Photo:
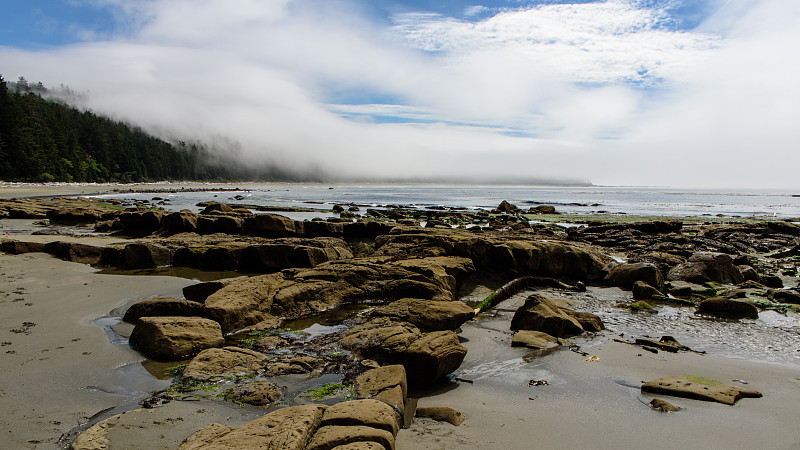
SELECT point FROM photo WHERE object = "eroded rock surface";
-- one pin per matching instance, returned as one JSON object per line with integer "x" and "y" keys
{"x": 699, "y": 388}
{"x": 172, "y": 338}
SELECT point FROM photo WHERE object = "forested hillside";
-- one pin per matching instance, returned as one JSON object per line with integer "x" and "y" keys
{"x": 43, "y": 140}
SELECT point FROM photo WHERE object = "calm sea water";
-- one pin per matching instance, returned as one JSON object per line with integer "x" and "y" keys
{"x": 571, "y": 200}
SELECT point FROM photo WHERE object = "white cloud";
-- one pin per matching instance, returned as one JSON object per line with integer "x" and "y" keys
{"x": 263, "y": 73}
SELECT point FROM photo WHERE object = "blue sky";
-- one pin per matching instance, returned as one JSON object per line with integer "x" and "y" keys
{"x": 601, "y": 90}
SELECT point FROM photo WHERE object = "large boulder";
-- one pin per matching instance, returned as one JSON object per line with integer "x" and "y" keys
{"x": 626, "y": 275}
{"x": 427, "y": 315}
{"x": 245, "y": 302}
{"x": 542, "y": 314}
{"x": 173, "y": 338}
{"x": 163, "y": 306}
{"x": 727, "y": 308}
{"x": 706, "y": 266}
{"x": 427, "y": 357}
{"x": 224, "y": 362}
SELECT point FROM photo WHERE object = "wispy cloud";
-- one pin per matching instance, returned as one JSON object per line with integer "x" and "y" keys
{"x": 610, "y": 91}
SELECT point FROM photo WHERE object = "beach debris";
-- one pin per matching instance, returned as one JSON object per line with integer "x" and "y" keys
{"x": 663, "y": 405}
{"x": 699, "y": 388}
{"x": 24, "y": 329}
{"x": 577, "y": 349}
{"x": 538, "y": 383}
{"x": 464, "y": 380}
{"x": 441, "y": 414}
{"x": 736, "y": 380}
{"x": 593, "y": 358}
{"x": 666, "y": 343}
{"x": 522, "y": 283}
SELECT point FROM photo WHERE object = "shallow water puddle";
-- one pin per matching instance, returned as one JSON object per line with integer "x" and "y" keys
{"x": 190, "y": 273}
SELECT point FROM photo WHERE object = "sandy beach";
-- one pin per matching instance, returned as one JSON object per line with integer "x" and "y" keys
{"x": 598, "y": 404}
{"x": 63, "y": 372}
{"x": 21, "y": 190}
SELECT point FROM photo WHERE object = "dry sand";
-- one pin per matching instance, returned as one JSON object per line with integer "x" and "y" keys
{"x": 19, "y": 190}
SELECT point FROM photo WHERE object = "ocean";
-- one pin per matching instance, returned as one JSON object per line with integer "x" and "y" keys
{"x": 645, "y": 201}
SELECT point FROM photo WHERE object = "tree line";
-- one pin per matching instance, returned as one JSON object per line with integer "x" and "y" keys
{"x": 47, "y": 140}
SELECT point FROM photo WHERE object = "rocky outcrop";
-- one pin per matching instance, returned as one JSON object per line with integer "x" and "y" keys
{"x": 727, "y": 308}
{"x": 224, "y": 362}
{"x": 163, "y": 306}
{"x": 704, "y": 266}
{"x": 427, "y": 315}
{"x": 296, "y": 292}
{"x": 343, "y": 425}
{"x": 626, "y": 275}
{"x": 699, "y": 388}
{"x": 427, "y": 357}
{"x": 542, "y": 314}
{"x": 174, "y": 338}
{"x": 286, "y": 428}
{"x": 515, "y": 255}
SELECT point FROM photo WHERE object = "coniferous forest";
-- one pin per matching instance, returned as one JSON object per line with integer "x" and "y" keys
{"x": 46, "y": 140}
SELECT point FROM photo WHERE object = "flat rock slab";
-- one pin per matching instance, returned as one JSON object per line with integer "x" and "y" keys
{"x": 368, "y": 412}
{"x": 534, "y": 339}
{"x": 172, "y": 338}
{"x": 441, "y": 413}
{"x": 698, "y": 388}
{"x": 286, "y": 428}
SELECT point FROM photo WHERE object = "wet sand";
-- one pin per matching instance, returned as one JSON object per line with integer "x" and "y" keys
{"x": 598, "y": 404}
{"x": 59, "y": 369}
